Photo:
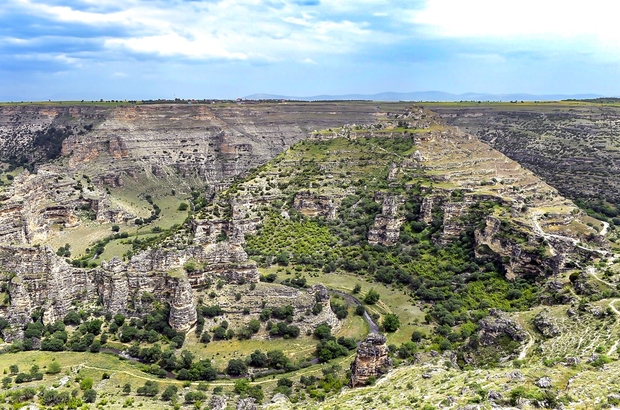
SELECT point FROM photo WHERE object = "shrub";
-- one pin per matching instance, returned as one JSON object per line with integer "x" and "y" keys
{"x": 90, "y": 396}
{"x": 86, "y": 383}
{"x": 54, "y": 368}
{"x": 371, "y": 297}
{"x": 236, "y": 367}
{"x": 194, "y": 396}
{"x": 169, "y": 393}
{"x": 150, "y": 389}
{"x": 391, "y": 323}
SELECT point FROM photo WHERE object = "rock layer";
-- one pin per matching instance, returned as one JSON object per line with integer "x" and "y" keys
{"x": 372, "y": 360}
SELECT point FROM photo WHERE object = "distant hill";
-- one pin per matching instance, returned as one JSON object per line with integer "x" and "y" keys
{"x": 428, "y": 96}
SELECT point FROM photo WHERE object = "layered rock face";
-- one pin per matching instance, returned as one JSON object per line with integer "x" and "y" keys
{"x": 34, "y": 203}
{"x": 572, "y": 147}
{"x": 37, "y": 278}
{"x": 498, "y": 324}
{"x": 211, "y": 142}
{"x": 386, "y": 228}
{"x": 372, "y": 360}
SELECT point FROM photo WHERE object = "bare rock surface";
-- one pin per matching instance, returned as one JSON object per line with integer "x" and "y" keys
{"x": 498, "y": 324}
{"x": 372, "y": 360}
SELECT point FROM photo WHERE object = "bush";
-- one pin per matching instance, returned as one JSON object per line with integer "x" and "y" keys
{"x": 371, "y": 297}
{"x": 169, "y": 393}
{"x": 257, "y": 359}
{"x": 194, "y": 396}
{"x": 391, "y": 323}
{"x": 54, "y": 368}
{"x": 323, "y": 331}
{"x": 236, "y": 367}
{"x": 150, "y": 389}
{"x": 86, "y": 383}
{"x": 417, "y": 336}
{"x": 53, "y": 398}
{"x": 90, "y": 396}
{"x": 341, "y": 311}
{"x": 359, "y": 310}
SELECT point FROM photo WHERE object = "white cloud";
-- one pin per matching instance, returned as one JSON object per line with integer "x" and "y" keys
{"x": 509, "y": 18}
{"x": 174, "y": 44}
{"x": 551, "y": 26}
{"x": 228, "y": 29}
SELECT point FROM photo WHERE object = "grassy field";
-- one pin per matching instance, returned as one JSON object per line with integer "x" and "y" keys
{"x": 130, "y": 198}
{"x": 393, "y": 300}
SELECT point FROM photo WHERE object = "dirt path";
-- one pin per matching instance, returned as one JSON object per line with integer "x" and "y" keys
{"x": 605, "y": 228}
{"x": 613, "y": 348}
{"x": 216, "y": 382}
{"x": 374, "y": 328}
{"x": 575, "y": 242}
{"x": 591, "y": 270}
{"x": 530, "y": 343}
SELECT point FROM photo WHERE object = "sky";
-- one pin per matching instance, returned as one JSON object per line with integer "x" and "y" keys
{"x": 149, "y": 49}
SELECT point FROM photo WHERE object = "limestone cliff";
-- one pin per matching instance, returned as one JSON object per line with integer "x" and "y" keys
{"x": 372, "y": 360}
{"x": 37, "y": 203}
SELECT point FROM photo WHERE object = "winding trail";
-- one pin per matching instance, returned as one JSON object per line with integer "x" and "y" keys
{"x": 573, "y": 241}
{"x": 613, "y": 348}
{"x": 530, "y": 343}
{"x": 605, "y": 228}
{"x": 374, "y": 328}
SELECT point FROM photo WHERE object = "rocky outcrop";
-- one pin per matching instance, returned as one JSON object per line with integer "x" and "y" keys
{"x": 36, "y": 202}
{"x": 182, "y": 307}
{"x": 386, "y": 227}
{"x": 372, "y": 360}
{"x": 545, "y": 324}
{"x": 498, "y": 324}
{"x": 217, "y": 402}
{"x": 310, "y": 204}
{"x": 246, "y": 404}
{"x": 37, "y": 278}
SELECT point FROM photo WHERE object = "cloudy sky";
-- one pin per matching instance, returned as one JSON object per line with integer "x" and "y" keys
{"x": 138, "y": 49}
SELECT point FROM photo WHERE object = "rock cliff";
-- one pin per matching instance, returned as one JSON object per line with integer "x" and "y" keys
{"x": 372, "y": 360}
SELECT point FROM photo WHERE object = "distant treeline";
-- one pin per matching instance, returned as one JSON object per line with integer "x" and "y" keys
{"x": 601, "y": 100}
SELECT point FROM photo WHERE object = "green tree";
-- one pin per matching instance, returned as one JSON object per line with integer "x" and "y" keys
{"x": 371, "y": 297}
{"x": 86, "y": 383}
{"x": 236, "y": 367}
{"x": 54, "y": 368}
{"x": 90, "y": 396}
{"x": 169, "y": 393}
{"x": 391, "y": 323}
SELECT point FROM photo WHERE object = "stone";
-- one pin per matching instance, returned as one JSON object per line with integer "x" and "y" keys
{"x": 498, "y": 324}
{"x": 572, "y": 361}
{"x": 543, "y": 382}
{"x": 279, "y": 398}
{"x": 515, "y": 376}
{"x": 372, "y": 360}
{"x": 545, "y": 324}
{"x": 246, "y": 404}
{"x": 494, "y": 395}
{"x": 217, "y": 402}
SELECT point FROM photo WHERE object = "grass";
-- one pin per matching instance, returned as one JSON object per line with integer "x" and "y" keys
{"x": 131, "y": 199}
{"x": 392, "y": 300}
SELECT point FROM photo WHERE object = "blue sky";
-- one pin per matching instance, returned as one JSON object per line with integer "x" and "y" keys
{"x": 138, "y": 49}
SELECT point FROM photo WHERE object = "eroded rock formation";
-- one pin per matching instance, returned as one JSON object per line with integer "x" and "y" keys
{"x": 372, "y": 360}
{"x": 498, "y": 324}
